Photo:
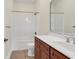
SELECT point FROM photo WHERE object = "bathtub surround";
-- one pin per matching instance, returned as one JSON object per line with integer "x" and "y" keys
{"x": 23, "y": 30}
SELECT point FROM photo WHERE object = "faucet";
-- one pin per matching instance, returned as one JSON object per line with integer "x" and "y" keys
{"x": 69, "y": 39}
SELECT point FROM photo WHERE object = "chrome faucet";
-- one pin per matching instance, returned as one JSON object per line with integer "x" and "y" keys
{"x": 69, "y": 39}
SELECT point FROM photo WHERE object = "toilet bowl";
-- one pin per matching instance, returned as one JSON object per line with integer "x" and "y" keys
{"x": 31, "y": 49}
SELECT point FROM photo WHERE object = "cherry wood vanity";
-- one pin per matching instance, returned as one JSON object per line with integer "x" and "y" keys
{"x": 44, "y": 51}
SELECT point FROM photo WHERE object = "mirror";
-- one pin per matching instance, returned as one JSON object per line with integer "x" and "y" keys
{"x": 62, "y": 16}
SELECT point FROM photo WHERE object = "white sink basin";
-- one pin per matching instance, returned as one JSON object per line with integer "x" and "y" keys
{"x": 67, "y": 46}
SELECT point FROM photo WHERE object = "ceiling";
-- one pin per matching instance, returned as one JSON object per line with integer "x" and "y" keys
{"x": 25, "y": 1}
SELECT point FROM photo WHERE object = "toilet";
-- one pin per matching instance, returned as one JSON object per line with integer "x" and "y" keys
{"x": 31, "y": 49}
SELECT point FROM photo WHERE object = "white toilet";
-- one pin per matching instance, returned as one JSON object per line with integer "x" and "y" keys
{"x": 31, "y": 49}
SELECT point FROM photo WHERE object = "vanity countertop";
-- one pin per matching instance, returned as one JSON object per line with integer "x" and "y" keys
{"x": 57, "y": 43}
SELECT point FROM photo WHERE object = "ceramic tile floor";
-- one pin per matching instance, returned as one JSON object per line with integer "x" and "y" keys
{"x": 20, "y": 55}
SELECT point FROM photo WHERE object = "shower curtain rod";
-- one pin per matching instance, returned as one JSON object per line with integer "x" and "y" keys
{"x": 24, "y": 12}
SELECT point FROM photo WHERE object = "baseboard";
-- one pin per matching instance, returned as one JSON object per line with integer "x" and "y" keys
{"x": 9, "y": 55}
{"x": 20, "y": 48}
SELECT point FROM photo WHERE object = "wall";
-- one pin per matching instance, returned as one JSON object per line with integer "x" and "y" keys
{"x": 43, "y": 7}
{"x": 68, "y": 7}
{"x": 23, "y": 7}
{"x": 7, "y": 31}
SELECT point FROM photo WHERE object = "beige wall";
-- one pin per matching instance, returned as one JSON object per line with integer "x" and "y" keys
{"x": 23, "y": 7}
{"x": 43, "y": 7}
{"x": 68, "y": 7}
{"x": 7, "y": 31}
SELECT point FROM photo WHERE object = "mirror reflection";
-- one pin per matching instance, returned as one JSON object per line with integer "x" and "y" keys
{"x": 62, "y": 16}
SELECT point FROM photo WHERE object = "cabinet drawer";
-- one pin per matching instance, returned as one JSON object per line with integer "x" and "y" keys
{"x": 44, "y": 47}
{"x": 57, "y": 55}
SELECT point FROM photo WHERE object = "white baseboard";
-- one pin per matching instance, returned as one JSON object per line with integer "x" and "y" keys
{"x": 9, "y": 55}
{"x": 15, "y": 49}
{"x": 20, "y": 47}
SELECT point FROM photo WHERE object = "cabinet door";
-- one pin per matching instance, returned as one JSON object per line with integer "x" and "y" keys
{"x": 57, "y": 55}
{"x": 44, "y": 47}
{"x": 44, "y": 51}
{"x": 44, "y": 55}
{"x": 37, "y": 49}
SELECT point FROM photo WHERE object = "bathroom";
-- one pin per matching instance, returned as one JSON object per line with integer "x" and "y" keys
{"x": 51, "y": 22}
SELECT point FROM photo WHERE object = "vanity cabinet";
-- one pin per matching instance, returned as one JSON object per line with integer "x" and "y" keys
{"x": 43, "y": 55}
{"x": 44, "y": 51}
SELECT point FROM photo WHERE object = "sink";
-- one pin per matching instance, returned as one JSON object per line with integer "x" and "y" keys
{"x": 67, "y": 46}
{"x": 58, "y": 42}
